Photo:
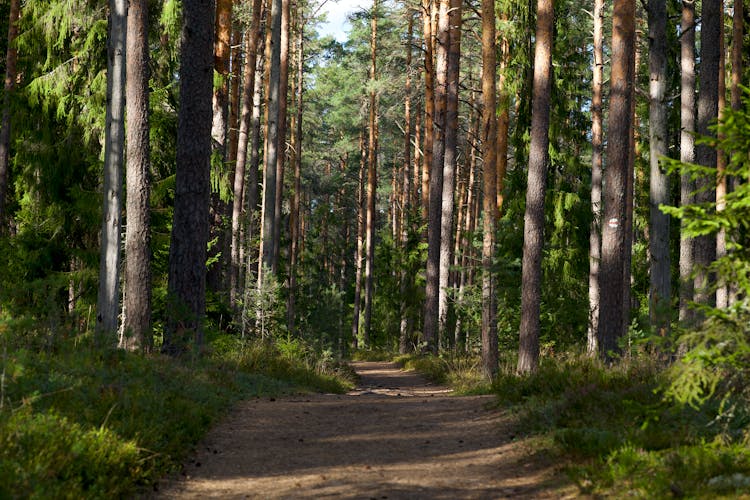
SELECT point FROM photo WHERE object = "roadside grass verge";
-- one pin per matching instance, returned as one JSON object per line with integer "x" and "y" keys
{"x": 77, "y": 422}
{"x": 621, "y": 437}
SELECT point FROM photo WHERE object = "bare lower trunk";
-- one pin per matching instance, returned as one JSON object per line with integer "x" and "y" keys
{"x": 360, "y": 243}
{"x": 611, "y": 314}
{"x": 429, "y": 103}
{"x": 281, "y": 157}
{"x": 687, "y": 152}
{"x": 137, "y": 295}
{"x": 405, "y": 277}
{"x": 708, "y": 108}
{"x": 489, "y": 154}
{"x": 108, "y": 301}
{"x": 187, "y": 251}
{"x": 595, "y": 240}
{"x": 533, "y": 241}
{"x": 722, "y": 290}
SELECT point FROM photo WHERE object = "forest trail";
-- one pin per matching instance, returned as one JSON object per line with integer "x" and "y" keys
{"x": 395, "y": 436}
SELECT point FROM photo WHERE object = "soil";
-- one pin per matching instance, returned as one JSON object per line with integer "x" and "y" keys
{"x": 395, "y": 436}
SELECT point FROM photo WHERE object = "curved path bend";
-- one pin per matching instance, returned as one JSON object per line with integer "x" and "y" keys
{"x": 396, "y": 436}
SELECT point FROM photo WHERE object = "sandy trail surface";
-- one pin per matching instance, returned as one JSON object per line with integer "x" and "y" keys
{"x": 395, "y": 436}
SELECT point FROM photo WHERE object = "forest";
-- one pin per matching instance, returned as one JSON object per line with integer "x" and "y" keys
{"x": 207, "y": 201}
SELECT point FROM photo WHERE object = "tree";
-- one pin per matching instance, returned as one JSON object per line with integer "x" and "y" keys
{"x": 137, "y": 300}
{"x": 450, "y": 157}
{"x": 533, "y": 241}
{"x": 241, "y": 192}
{"x": 372, "y": 172}
{"x": 489, "y": 155}
{"x": 660, "y": 292}
{"x": 687, "y": 151}
{"x": 708, "y": 109}
{"x": 108, "y": 301}
{"x": 11, "y": 58}
{"x": 611, "y": 326}
{"x": 187, "y": 251}
{"x": 595, "y": 239}
{"x": 434, "y": 222}
{"x": 281, "y": 136}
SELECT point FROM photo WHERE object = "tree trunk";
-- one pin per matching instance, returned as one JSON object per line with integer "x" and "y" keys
{"x": 489, "y": 154}
{"x": 10, "y": 81}
{"x": 240, "y": 183}
{"x": 708, "y": 108}
{"x": 108, "y": 301}
{"x": 187, "y": 251}
{"x": 449, "y": 162}
{"x": 687, "y": 153}
{"x": 137, "y": 301}
{"x": 735, "y": 91}
{"x": 265, "y": 260}
{"x": 660, "y": 292}
{"x": 297, "y": 151}
{"x": 372, "y": 180}
{"x": 614, "y": 246}
{"x": 533, "y": 241}
{"x": 281, "y": 157}
{"x": 595, "y": 240}
{"x": 429, "y": 103}
{"x": 360, "y": 242}
{"x": 722, "y": 290}
{"x": 431, "y": 333}
{"x": 405, "y": 278}
{"x": 503, "y": 121}
{"x": 234, "y": 99}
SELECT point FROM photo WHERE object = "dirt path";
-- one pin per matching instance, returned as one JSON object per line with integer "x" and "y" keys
{"x": 395, "y": 436}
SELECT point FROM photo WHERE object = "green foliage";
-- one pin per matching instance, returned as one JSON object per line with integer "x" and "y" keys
{"x": 77, "y": 422}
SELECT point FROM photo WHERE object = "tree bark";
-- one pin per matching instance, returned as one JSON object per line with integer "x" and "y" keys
{"x": 281, "y": 157}
{"x": 708, "y": 109}
{"x": 405, "y": 277}
{"x": 240, "y": 183}
{"x": 614, "y": 246}
{"x": 503, "y": 121}
{"x": 108, "y": 300}
{"x": 722, "y": 289}
{"x": 429, "y": 103}
{"x": 187, "y": 252}
{"x": 265, "y": 260}
{"x": 489, "y": 155}
{"x": 595, "y": 240}
{"x": 533, "y": 241}
{"x": 431, "y": 333}
{"x": 449, "y": 162}
{"x": 359, "y": 251}
{"x": 687, "y": 153}
{"x": 297, "y": 152}
{"x": 660, "y": 292}
{"x": 137, "y": 301}
{"x": 11, "y": 59}
{"x": 372, "y": 179}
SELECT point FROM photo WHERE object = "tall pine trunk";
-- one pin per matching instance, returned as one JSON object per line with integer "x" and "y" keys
{"x": 281, "y": 157}
{"x": 660, "y": 292}
{"x": 187, "y": 251}
{"x": 241, "y": 184}
{"x": 708, "y": 108}
{"x": 11, "y": 58}
{"x": 372, "y": 179}
{"x": 137, "y": 300}
{"x": 533, "y": 241}
{"x": 405, "y": 277}
{"x": 595, "y": 240}
{"x": 431, "y": 328}
{"x": 359, "y": 250}
{"x": 429, "y": 102}
{"x": 489, "y": 155}
{"x": 108, "y": 300}
{"x": 614, "y": 246}
{"x": 271, "y": 152}
{"x": 687, "y": 152}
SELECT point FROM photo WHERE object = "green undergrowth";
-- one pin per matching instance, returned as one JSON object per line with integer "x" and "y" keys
{"x": 77, "y": 422}
{"x": 621, "y": 436}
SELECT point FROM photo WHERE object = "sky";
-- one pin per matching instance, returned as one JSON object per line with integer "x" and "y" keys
{"x": 337, "y": 11}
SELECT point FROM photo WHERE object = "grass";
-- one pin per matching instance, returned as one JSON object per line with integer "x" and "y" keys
{"x": 620, "y": 436}
{"x": 77, "y": 422}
